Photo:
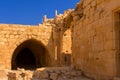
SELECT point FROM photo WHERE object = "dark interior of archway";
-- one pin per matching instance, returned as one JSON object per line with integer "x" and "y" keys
{"x": 30, "y": 55}
{"x": 26, "y": 59}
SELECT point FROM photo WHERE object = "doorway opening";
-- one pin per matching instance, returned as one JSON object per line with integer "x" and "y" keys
{"x": 26, "y": 59}
{"x": 30, "y": 55}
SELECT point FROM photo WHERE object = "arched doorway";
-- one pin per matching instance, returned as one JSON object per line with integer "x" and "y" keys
{"x": 30, "y": 55}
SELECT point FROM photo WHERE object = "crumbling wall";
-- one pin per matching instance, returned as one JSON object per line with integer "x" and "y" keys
{"x": 87, "y": 38}
{"x": 94, "y": 38}
{"x": 12, "y": 36}
{"x": 62, "y": 38}
{"x": 52, "y": 34}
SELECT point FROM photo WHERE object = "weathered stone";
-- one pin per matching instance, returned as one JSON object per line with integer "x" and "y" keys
{"x": 11, "y": 76}
{"x": 116, "y": 78}
{"x": 73, "y": 73}
{"x": 53, "y": 76}
{"x": 3, "y": 75}
{"x": 87, "y": 37}
{"x": 43, "y": 75}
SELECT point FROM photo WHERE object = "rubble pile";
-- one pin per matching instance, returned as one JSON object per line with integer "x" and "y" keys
{"x": 53, "y": 73}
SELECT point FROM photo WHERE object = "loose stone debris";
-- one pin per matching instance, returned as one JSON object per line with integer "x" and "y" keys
{"x": 51, "y": 73}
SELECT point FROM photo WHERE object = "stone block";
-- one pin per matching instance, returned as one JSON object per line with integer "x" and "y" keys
{"x": 41, "y": 74}
{"x": 116, "y": 78}
{"x": 53, "y": 76}
{"x": 11, "y": 76}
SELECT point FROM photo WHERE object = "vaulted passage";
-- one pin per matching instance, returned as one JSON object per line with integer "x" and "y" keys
{"x": 26, "y": 59}
{"x": 30, "y": 55}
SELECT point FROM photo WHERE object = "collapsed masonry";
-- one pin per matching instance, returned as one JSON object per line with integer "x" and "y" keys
{"x": 86, "y": 38}
{"x": 53, "y": 73}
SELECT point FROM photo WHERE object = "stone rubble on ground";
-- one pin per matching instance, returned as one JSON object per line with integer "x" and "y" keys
{"x": 53, "y": 73}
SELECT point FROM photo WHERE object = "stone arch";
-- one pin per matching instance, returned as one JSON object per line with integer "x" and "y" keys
{"x": 30, "y": 54}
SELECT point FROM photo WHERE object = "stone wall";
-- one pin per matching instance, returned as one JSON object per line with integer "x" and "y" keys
{"x": 11, "y": 36}
{"x": 62, "y": 37}
{"x": 94, "y": 38}
{"x": 87, "y": 38}
{"x": 50, "y": 44}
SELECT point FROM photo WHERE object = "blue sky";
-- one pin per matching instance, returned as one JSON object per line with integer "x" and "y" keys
{"x": 31, "y": 11}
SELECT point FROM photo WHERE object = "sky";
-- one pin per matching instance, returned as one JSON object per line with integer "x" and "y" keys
{"x": 30, "y": 12}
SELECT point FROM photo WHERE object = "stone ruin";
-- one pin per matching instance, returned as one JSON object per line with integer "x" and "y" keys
{"x": 53, "y": 73}
{"x": 81, "y": 44}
